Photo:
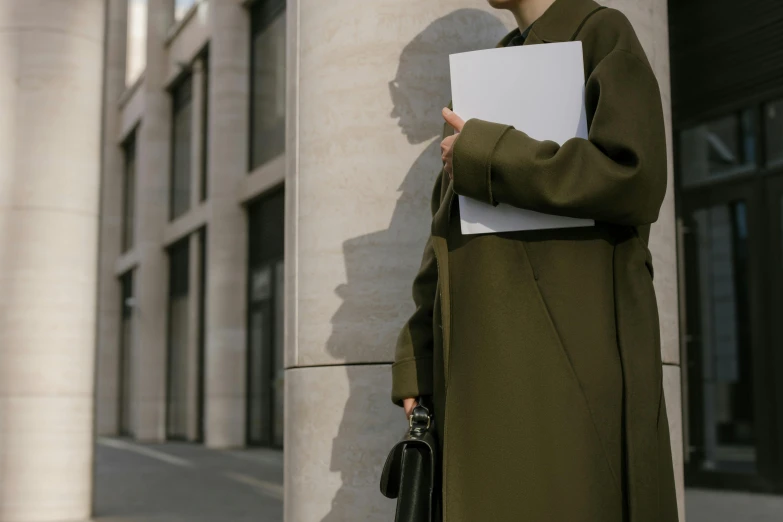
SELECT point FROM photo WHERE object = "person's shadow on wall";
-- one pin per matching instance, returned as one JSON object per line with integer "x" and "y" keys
{"x": 419, "y": 91}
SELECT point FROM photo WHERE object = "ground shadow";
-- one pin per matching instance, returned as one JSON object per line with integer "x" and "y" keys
{"x": 418, "y": 93}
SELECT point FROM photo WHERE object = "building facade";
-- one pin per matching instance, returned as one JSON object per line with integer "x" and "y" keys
{"x": 191, "y": 280}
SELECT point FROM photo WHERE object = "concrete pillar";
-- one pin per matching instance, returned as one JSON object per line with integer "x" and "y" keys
{"x": 360, "y": 170}
{"x": 51, "y": 56}
{"x": 227, "y": 227}
{"x": 112, "y": 182}
{"x": 152, "y": 199}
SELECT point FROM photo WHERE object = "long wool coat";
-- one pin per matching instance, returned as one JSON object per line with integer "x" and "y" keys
{"x": 541, "y": 349}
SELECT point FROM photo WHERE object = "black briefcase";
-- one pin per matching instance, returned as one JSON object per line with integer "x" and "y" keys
{"x": 410, "y": 472}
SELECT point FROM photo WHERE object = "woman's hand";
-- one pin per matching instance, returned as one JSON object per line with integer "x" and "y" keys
{"x": 447, "y": 145}
{"x": 409, "y": 404}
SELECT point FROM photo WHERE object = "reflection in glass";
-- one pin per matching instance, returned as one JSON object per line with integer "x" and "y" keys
{"x": 268, "y": 55}
{"x": 265, "y": 321}
{"x": 179, "y": 362}
{"x": 723, "y": 345}
{"x": 136, "y": 43}
{"x": 773, "y": 114}
{"x": 718, "y": 149}
{"x": 259, "y": 392}
{"x": 258, "y": 396}
{"x": 126, "y": 355}
{"x": 182, "y": 99}
{"x": 129, "y": 193}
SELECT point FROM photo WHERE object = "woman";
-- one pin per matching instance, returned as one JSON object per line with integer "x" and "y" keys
{"x": 541, "y": 349}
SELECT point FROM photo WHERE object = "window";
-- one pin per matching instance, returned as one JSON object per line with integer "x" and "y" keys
{"x": 205, "y": 127}
{"x": 266, "y": 370}
{"x": 136, "y": 43}
{"x": 182, "y": 123}
{"x": 268, "y": 82}
{"x": 129, "y": 193}
{"x": 177, "y": 419}
{"x": 182, "y": 7}
{"x": 126, "y": 355}
{"x": 773, "y": 114}
{"x": 719, "y": 148}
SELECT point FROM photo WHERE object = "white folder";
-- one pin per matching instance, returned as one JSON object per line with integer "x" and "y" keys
{"x": 540, "y": 90}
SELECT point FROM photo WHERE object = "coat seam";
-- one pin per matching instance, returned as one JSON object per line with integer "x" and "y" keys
{"x": 563, "y": 350}
{"x": 489, "y": 165}
{"x": 445, "y": 341}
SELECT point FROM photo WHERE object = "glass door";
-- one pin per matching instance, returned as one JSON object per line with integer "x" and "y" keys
{"x": 774, "y": 316}
{"x": 726, "y": 354}
{"x": 265, "y": 363}
{"x": 179, "y": 361}
{"x": 126, "y": 356}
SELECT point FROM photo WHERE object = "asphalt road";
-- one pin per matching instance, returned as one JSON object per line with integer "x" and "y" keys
{"x": 186, "y": 483}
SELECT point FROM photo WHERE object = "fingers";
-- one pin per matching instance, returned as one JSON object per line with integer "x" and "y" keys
{"x": 452, "y": 119}
{"x": 409, "y": 404}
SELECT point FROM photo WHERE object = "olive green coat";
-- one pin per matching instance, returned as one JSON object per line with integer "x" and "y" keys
{"x": 541, "y": 348}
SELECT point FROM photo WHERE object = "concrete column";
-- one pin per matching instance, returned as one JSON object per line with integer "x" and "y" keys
{"x": 152, "y": 199}
{"x": 112, "y": 187}
{"x": 360, "y": 170}
{"x": 51, "y": 56}
{"x": 227, "y": 227}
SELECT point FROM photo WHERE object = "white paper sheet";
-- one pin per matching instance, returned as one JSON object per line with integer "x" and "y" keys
{"x": 540, "y": 90}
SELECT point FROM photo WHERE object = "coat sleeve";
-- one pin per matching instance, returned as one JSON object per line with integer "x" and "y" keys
{"x": 412, "y": 367}
{"x": 617, "y": 175}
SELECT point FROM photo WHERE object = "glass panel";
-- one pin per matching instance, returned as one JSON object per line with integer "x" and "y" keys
{"x": 718, "y": 149}
{"x": 181, "y": 143}
{"x": 268, "y": 55}
{"x": 179, "y": 360}
{"x": 774, "y": 133}
{"x": 126, "y": 397}
{"x": 279, "y": 381}
{"x": 182, "y": 7}
{"x": 126, "y": 356}
{"x": 179, "y": 368}
{"x": 259, "y": 362}
{"x": 205, "y": 129}
{"x": 129, "y": 194}
{"x": 136, "y": 50}
{"x": 723, "y": 350}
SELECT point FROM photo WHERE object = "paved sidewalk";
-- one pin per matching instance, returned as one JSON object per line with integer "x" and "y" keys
{"x": 186, "y": 483}
{"x": 725, "y": 506}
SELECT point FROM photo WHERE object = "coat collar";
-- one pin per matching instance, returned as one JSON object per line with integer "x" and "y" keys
{"x": 559, "y": 23}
